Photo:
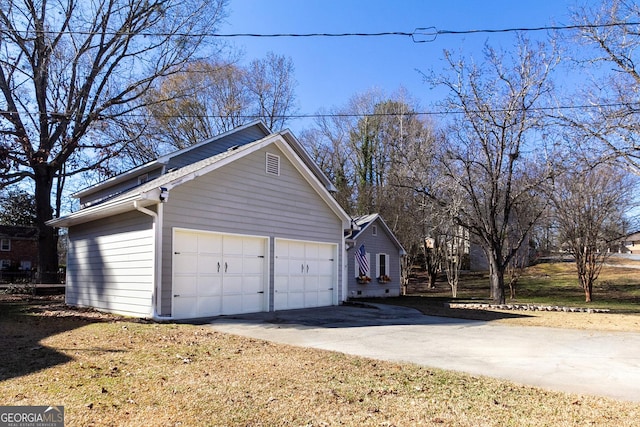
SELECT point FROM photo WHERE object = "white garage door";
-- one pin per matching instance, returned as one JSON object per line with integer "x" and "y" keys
{"x": 305, "y": 274}
{"x": 216, "y": 274}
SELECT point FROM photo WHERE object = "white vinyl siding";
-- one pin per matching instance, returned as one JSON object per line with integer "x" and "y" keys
{"x": 112, "y": 270}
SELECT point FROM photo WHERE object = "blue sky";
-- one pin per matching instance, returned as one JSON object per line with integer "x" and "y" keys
{"x": 330, "y": 70}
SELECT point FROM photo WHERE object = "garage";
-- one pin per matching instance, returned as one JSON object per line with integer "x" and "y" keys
{"x": 216, "y": 274}
{"x": 305, "y": 274}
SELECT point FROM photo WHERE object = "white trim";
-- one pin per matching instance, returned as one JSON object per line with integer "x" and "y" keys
{"x": 387, "y": 263}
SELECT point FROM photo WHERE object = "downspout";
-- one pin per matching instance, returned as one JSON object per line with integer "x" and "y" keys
{"x": 157, "y": 245}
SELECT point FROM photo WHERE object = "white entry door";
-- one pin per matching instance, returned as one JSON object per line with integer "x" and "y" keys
{"x": 305, "y": 274}
{"x": 216, "y": 274}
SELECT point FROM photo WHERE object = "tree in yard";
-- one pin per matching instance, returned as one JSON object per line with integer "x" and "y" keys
{"x": 589, "y": 207}
{"x": 488, "y": 162}
{"x": 363, "y": 147}
{"x": 17, "y": 207}
{"x": 212, "y": 97}
{"x": 71, "y": 70}
{"x": 609, "y": 36}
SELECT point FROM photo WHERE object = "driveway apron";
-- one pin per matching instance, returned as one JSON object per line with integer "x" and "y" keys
{"x": 585, "y": 362}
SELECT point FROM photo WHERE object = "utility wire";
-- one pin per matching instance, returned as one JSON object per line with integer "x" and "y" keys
{"x": 418, "y": 35}
{"x": 431, "y": 33}
{"x": 409, "y": 113}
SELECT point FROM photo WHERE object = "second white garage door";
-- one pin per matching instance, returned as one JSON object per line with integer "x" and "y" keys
{"x": 216, "y": 274}
{"x": 305, "y": 274}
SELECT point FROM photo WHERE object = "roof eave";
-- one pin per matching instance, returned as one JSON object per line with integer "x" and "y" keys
{"x": 105, "y": 209}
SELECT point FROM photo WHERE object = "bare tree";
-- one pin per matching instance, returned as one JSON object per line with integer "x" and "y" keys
{"x": 71, "y": 69}
{"x": 611, "y": 36}
{"x": 590, "y": 203}
{"x": 364, "y": 147}
{"x": 487, "y": 159}
{"x": 272, "y": 85}
{"x": 212, "y": 97}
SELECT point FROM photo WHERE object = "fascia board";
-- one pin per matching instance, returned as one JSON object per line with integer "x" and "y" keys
{"x": 107, "y": 209}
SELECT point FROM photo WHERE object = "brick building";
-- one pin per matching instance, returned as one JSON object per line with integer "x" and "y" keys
{"x": 18, "y": 248}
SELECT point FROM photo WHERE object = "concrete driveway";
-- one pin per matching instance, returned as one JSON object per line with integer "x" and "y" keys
{"x": 584, "y": 362}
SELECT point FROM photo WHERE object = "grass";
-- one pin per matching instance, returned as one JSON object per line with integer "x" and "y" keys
{"x": 617, "y": 289}
{"x": 108, "y": 370}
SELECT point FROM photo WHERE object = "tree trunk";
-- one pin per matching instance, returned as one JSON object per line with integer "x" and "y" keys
{"x": 432, "y": 279}
{"x": 497, "y": 281}
{"x": 588, "y": 291}
{"x": 47, "y": 236}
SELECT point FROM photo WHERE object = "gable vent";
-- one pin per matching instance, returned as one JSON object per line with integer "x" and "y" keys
{"x": 273, "y": 164}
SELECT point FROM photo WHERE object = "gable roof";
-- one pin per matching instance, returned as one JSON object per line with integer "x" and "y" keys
{"x": 152, "y": 192}
{"x": 219, "y": 143}
{"x": 363, "y": 222}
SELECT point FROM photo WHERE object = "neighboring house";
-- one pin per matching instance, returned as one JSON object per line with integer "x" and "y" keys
{"x": 18, "y": 251}
{"x": 373, "y": 257}
{"x": 630, "y": 244}
{"x": 244, "y": 222}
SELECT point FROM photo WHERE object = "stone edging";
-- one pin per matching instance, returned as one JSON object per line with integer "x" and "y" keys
{"x": 526, "y": 307}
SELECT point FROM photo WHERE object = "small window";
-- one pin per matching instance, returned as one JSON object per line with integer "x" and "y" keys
{"x": 374, "y": 230}
{"x": 25, "y": 265}
{"x": 5, "y": 264}
{"x": 5, "y": 244}
{"x": 273, "y": 164}
{"x": 382, "y": 266}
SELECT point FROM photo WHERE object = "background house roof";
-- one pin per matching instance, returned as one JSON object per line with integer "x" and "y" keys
{"x": 364, "y": 221}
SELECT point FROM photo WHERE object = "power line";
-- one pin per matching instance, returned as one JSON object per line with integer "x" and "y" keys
{"x": 418, "y": 35}
{"x": 354, "y": 115}
{"x": 431, "y": 33}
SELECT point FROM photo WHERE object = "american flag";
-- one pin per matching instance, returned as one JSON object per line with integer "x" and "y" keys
{"x": 363, "y": 262}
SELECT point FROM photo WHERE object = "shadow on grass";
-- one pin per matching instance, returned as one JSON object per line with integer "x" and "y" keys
{"x": 24, "y": 322}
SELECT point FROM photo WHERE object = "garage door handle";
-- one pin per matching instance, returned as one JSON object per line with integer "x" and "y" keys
{"x": 218, "y": 267}
{"x": 225, "y": 267}
{"x": 261, "y": 292}
{"x": 330, "y": 289}
{"x": 176, "y": 295}
{"x": 301, "y": 268}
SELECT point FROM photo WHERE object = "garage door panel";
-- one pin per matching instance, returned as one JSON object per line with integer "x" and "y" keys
{"x": 307, "y": 277}
{"x": 210, "y": 243}
{"x": 232, "y": 304}
{"x": 212, "y": 274}
{"x": 185, "y": 242}
{"x": 209, "y": 286}
{"x": 253, "y": 265}
{"x": 186, "y": 263}
{"x": 208, "y": 264}
{"x": 209, "y": 306}
{"x": 233, "y": 245}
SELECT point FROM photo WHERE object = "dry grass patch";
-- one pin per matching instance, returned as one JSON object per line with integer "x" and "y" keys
{"x": 555, "y": 284}
{"x": 112, "y": 371}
